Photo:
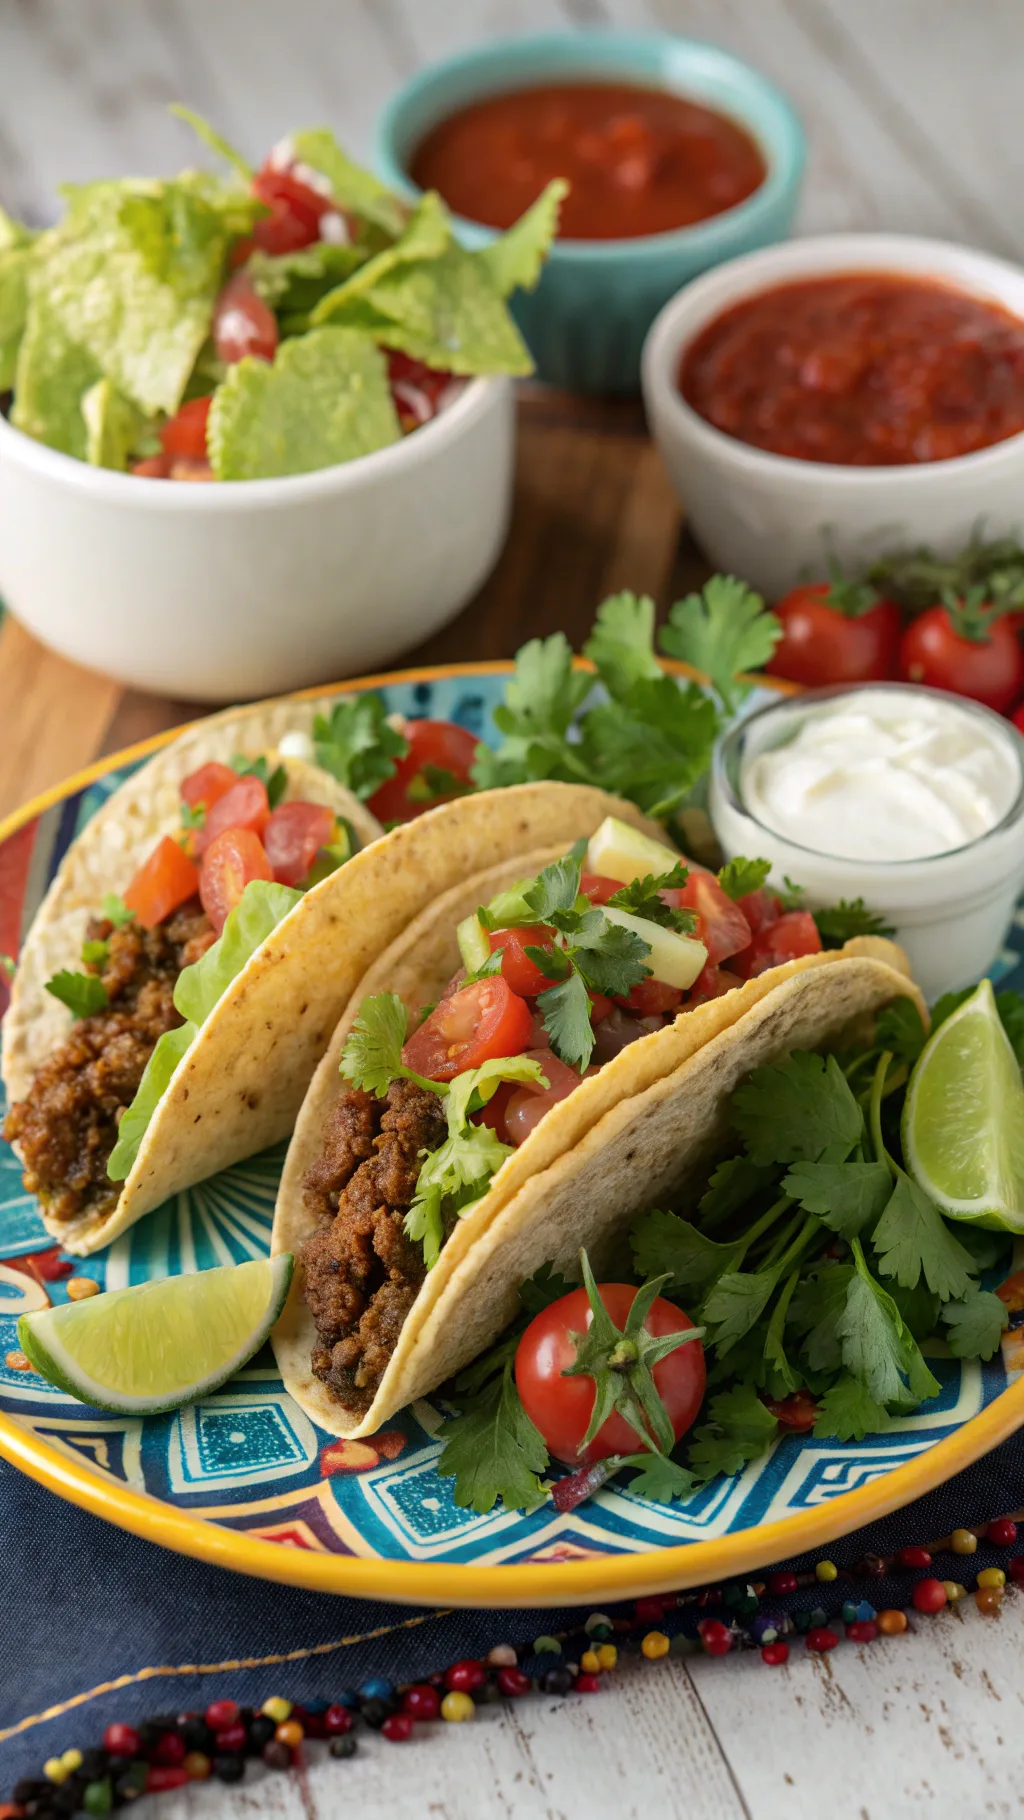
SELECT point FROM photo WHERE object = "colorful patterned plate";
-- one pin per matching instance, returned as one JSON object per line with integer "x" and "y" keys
{"x": 245, "y": 1479}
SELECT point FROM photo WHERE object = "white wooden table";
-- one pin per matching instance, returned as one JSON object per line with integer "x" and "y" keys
{"x": 914, "y": 122}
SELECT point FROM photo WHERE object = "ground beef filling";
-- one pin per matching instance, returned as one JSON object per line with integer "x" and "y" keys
{"x": 362, "y": 1273}
{"x": 67, "y": 1126}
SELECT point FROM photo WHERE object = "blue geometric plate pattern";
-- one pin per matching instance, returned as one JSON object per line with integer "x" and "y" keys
{"x": 248, "y": 1459}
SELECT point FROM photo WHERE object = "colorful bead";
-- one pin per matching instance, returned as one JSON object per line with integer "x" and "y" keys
{"x": 765, "y": 1627}
{"x": 783, "y": 1583}
{"x": 71, "y": 1759}
{"x": 121, "y": 1740}
{"x": 290, "y": 1732}
{"x": 588, "y": 1684}
{"x": 277, "y": 1709}
{"x": 892, "y": 1622}
{"x": 871, "y": 1566}
{"x": 866, "y": 1614}
{"x": 546, "y": 1646}
{"x": 377, "y": 1688}
{"x": 170, "y": 1749}
{"x": 988, "y": 1599}
{"x": 54, "y": 1771}
{"x": 513, "y": 1682}
{"x": 826, "y": 1570}
{"x": 914, "y": 1557}
{"x": 342, "y": 1747}
{"x": 398, "y": 1729}
{"x": 502, "y": 1656}
{"x": 219, "y": 1714}
{"x": 1015, "y": 1567}
{"x": 231, "y": 1738}
{"x": 862, "y": 1631}
{"x": 929, "y": 1595}
{"x": 16, "y": 1360}
{"x": 682, "y": 1645}
{"x": 607, "y": 1655}
{"x": 963, "y": 1541}
{"x": 196, "y": 1765}
{"x": 556, "y": 1681}
{"x": 649, "y": 1611}
{"x": 656, "y": 1645}
{"x": 229, "y": 1768}
{"x": 992, "y": 1576}
{"x": 81, "y": 1288}
{"x": 1003, "y": 1532}
{"x": 598, "y": 1625}
{"x": 716, "y": 1637}
{"x": 421, "y": 1702}
{"x": 820, "y": 1639}
{"x": 850, "y": 1611}
{"x": 162, "y": 1776}
{"x": 954, "y": 1591}
{"x": 457, "y": 1707}
{"x": 775, "y": 1654}
{"x": 374, "y": 1711}
{"x": 466, "y": 1676}
{"x": 589, "y": 1662}
{"x": 276, "y": 1756}
{"x": 97, "y": 1797}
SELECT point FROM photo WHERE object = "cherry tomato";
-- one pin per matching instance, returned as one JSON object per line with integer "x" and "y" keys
{"x": 185, "y": 432}
{"x": 1018, "y": 718}
{"x": 561, "y": 1407}
{"x": 164, "y": 881}
{"x": 598, "y": 888}
{"x": 760, "y": 908}
{"x": 527, "y": 1104}
{"x": 724, "y": 929}
{"x": 437, "y": 744}
{"x": 245, "y": 805}
{"x": 294, "y": 835}
{"x": 989, "y": 670}
{"x": 416, "y": 389}
{"x": 154, "y": 467}
{"x": 208, "y": 784}
{"x": 822, "y": 644}
{"x": 600, "y": 1007}
{"x": 798, "y": 1412}
{"x": 616, "y": 1031}
{"x": 793, "y": 935}
{"x": 243, "y": 323}
{"x": 230, "y": 863}
{"x": 522, "y": 974}
{"x": 476, "y": 1024}
{"x": 652, "y": 998}
{"x": 295, "y": 211}
{"x": 712, "y": 982}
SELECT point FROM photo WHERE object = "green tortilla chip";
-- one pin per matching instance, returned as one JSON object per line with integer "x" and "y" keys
{"x": 443, "y": 311}
{"x": 293, "y": 283}
{"x": 325, "y": 400}
{"x": 114, "y": 427}
{"x": 51, "y": 377}
{"x": 15, "y": 259}
{"x": 353, "y": 189}
{"x": 214, "y": 141}
{"x": 427, "y": 235}
{"x": 514, "y": 262}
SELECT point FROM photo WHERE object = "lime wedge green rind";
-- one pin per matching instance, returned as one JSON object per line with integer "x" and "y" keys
{"x": 963, "y": 1121}
{"x": 155, "y": 1346}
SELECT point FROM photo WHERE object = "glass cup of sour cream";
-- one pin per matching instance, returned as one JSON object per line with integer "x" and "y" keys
{"x": 904, "y": 796}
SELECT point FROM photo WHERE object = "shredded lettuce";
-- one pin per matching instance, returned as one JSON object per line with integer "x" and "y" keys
{"x": 263, "y": 905}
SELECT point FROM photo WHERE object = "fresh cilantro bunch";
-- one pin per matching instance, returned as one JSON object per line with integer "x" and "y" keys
{"x": 357, "y": 743}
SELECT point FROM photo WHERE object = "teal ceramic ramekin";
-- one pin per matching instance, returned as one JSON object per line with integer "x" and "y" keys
{"x": 586, "y": 321}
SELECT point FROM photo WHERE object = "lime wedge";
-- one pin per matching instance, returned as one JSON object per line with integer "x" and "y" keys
{"x": 154, "y": 1346}
{"x": 963, "y": 1121}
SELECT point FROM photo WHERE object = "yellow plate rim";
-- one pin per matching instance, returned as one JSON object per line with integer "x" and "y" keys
{"x": 594, "y": 1577}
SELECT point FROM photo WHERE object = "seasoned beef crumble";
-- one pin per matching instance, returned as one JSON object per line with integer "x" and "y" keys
{"x": 362, "y": 1273}
{"x": 66, "y": 1126}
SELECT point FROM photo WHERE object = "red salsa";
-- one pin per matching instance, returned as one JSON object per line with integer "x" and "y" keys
{"x": 864, "y": 370}
{"x": 640, "y": 160}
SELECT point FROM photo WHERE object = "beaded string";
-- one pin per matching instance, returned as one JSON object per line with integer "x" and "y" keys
{"x": 171, "y": 1749}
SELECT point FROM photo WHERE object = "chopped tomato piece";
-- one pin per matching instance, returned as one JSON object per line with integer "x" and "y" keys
{"x": 798, "y": 1412}
{"x": 230, "y": 863}
{"x": 207, "y": 784}
{"x": 416, "y": 389}
{"x": 712, "y": 982}
{"x": 476, "y": 1024}
{"x": 245, "y": 805}
{"x": 652, "y": 998}
{"x": 154, "y": 467}
{"x": 598, "y": 888}
{"x": 793, "y": 935}
{"x": 163, "y": 882}
{"x": 185, "y": 432}
{"x": 294, "y": 836}
{"x": 243, "y": 323}
{"x": 435, "y": 768}
{"x": 295, "y": 211}
{"x": 724, "y": 929}
{"x": 600, "y": 1007}
{"x": 760, "y": 908}
{"x": 523, "y": 975}
{"x": 529, "y": 1102}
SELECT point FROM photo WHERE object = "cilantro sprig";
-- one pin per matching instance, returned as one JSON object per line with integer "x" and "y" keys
{"x": 357, "y": 743}
{"x": 83, "y": 993}
{"x": 276, "y": 780}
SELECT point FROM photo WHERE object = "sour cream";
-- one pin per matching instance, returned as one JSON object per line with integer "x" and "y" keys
{"x": 884, "y": 775}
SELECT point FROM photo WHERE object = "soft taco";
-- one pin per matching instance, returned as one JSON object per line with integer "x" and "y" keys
{"x": 161, "y": 1028}
{"x": 444, "y": 1137}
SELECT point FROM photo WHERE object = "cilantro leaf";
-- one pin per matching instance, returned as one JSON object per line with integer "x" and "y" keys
{"x": 565, "y": 1009}
{"x": 621, "y": 645}
{"x": 736, "y": 1303}
{"x": 372, "y": 1056}
{"x": 912, "y": 1239}
{"x": 816, "y": 1310}
{"x": 276, "y": 780}
{"x": 741, "y": 876}
{"x": 845, "y": 1196}
{"x": 556, "y": 888}
{"x": 641, "y": 898}
{"x": 492, "y": 1450}
{"x": 870, "y": 1331}
{"x": 544, "y": 1287}
{"x": 732, "y": 1184}
{"x": 899, "y": 1029}
{"x": 610, "y": 959}
{"x": 95, "y": 954}
{"x": 724, "y": 630}
{"x": 738, "y": 1428}
{"x": 114, "y": 910}
{"x": 540, "y": 705}
{"x": 665, "y": 1244}
{"x": 794, "y": 1110}
{"x": 357, "y": 744}
{"x": 986, "y": 1247}
{"x": 848, "y": 1412}
{"x": 842, "y": 921}
{"x": 783, "y": 1378}
{"x": 653, "y": 746}
{"x": 658, "y": 1478}
{"x": 83, "y": 993}
{"x": 975, "y": 1324}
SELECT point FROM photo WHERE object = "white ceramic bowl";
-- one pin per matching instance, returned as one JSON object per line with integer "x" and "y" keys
{"x": 248, "y": 588}
{"x": 774, "y": 520}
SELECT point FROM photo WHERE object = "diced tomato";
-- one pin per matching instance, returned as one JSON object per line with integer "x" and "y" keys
{"x": 207, "y": 784}
{"x": 164, "y": 881}
{"x": 230, "y": 863}
{"x": 295, "y": 211}
{"x": 416, "y": 389}
{"x": 712, "y": 982}
{"x": 436, "y": 748}
{"x": 652, "y": 998}
{"x": 243, "y": 323}
{"x": 493, "y": 1114}
{"x": 600, "y": 1007}
{"x": 245, "y": 805}
{"x": 294, "y": 836}
{"x": 522, "y": 974}
{"x": 185, "y": 432}
{"x": 724, "y": 929}
{"x": 154, "y": 467}
{"x": 598, "y": 888}
{"x": 793, "y": 935}
{"x": 760, "y": 908}
{"x": 798, "y": 1412}
{"x": 528, "y": 1104}
{"x": 480, "y": 1022}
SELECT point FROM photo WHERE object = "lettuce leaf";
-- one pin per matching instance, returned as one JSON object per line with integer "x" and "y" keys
{"x": 15, "y": 261}
{"x": 51, "y": 377}
{"x": 353, "y": 189}
{"x": 324, "y": 400}
{"x": 200, "y": 987}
